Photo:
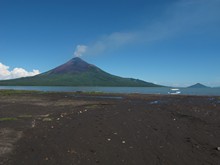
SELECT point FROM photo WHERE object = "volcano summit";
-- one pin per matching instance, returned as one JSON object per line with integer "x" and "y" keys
{"x": 77, "y": 72}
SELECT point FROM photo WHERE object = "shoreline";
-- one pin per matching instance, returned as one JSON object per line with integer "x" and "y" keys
{"x": 122, "y": 90}
{"x": 21, "y": 91}
{"x": 58, "y": 128}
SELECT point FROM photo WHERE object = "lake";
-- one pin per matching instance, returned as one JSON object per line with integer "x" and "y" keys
{"x": 141, "y": 90}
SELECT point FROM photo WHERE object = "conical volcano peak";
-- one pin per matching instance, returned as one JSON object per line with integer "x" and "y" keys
{"x": 75, "y": 65}
{"x": 77, "y": 59}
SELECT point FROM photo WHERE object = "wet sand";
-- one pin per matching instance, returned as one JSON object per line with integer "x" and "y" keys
{"x": 89, "y": 129}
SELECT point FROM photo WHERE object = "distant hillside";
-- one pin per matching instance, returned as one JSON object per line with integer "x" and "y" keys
{"x": 77, "y": 72}
{"x": 198, "y": 85}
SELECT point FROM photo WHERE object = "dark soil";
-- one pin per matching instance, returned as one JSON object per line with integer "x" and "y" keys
{"x": 86, "y": 129}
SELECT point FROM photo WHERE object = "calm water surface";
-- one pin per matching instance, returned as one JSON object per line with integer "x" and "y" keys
{"x": 142, "y": 90}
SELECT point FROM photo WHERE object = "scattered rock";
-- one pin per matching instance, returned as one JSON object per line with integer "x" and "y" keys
{"x": 47, "y": 119}
{"x": 47, "y": 115}
{"x": 97, "y": 161}
{"x": 8, "y": 137}
{"x": 33, "y": 123}
{"x": 154, "y": 102}
{"x": 218, "y": 148}
{"x": 92, "y": 151}
{"x": 63, "y": 114}
{"x": 71, "y": 151}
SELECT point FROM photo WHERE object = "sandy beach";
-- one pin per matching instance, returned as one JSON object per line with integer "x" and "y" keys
{"x": 89, "y": 129}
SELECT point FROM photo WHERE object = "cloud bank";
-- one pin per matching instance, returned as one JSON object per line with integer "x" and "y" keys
{"x": 5, "y": 73}
{"x": 179, "y": 18}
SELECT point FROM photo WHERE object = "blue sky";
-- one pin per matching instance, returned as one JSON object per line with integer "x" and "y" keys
{"x": 172, "y": 42}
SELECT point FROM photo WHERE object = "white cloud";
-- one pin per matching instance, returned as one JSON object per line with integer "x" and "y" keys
{"x": 179, "y": 18}
{"x": 106, "y": 42}
{"x": 80, "y": 50}
{"x": 112, "y": 41}
{"x": 5, "y": 73}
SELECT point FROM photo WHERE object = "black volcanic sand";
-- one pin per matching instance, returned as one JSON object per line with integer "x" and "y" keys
{"x": 88, "y": 129}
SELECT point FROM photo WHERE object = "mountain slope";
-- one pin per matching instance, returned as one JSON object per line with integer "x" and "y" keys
{"x": 77, "y": 72}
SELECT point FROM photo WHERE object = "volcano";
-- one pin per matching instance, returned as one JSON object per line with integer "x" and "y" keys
{"x": 198, "y": 85}
{"x": 77, "y": 72}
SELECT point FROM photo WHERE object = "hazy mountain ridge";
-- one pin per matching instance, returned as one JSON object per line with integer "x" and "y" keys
{"x": 198, "y": 85}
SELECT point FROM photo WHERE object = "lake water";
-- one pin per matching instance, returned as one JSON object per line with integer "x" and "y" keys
{"x": 142, "y": 90}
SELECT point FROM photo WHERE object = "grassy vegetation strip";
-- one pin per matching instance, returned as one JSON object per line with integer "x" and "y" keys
{"x": 8, "y": 119}
{"x": 15, "y": 118}
{"x": 9, "y": 92}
